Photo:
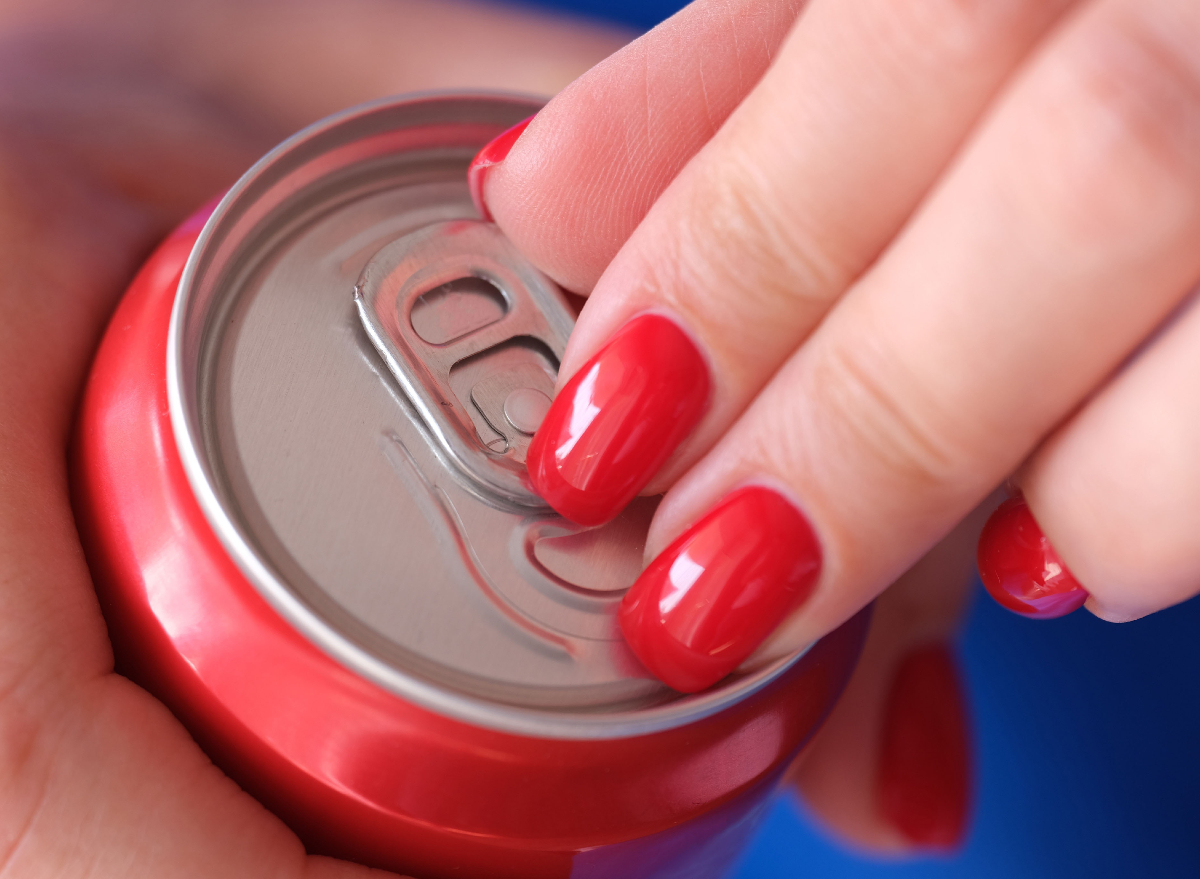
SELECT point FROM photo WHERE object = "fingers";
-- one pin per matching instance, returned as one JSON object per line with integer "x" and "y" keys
{"x": 770, "y": 223}
{"x": 890, "y": 770}
{"x": 1065, "y": 233}
{"x": 1117, "y": 489}
{"x": 604, "y": 149}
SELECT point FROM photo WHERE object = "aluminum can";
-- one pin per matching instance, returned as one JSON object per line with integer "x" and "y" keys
{"x": 299, "y": 477}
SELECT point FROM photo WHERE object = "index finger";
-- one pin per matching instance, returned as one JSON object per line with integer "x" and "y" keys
{"x": 577, "y": 183}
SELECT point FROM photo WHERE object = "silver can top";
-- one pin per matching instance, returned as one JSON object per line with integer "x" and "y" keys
{"x": 356, "y": 365}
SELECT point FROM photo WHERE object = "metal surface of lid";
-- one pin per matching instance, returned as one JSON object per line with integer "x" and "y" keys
{"x": 355, "y": 366}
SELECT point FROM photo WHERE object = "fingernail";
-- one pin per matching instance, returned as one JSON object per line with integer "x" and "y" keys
{"x": 492, "y": 154}
{"x": 923, "y": 781}
{"x": 615, "y": 423}
{"x": 714, "y": 595}
{"x": 1021, "y": 570}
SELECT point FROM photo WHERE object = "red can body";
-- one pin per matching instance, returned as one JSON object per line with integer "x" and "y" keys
{"x": 355, "y": 770}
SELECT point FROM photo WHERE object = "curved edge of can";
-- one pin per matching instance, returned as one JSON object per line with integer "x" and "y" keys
{"x": 459, "y": 706}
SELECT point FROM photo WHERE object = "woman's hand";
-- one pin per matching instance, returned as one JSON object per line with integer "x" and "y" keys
{"x": 117, "y": 120}
{"x": 852, "y": 266}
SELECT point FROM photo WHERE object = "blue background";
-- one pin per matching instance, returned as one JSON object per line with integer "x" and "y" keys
{"x": 1086, "y": 734}
{"x": 1086, "y": 737}
{"x": 642, "y": 15}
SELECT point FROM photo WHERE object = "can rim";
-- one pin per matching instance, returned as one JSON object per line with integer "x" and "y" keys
{"x": 473, "y": 710}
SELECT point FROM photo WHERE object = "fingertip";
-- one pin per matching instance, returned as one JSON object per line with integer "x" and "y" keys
{"x": 716, "y": 593}
{"x": 1113, "y": 614}
{"x": 892, "y": 771}
{"x": 1020, "y": 568}
{"x": 617, "y": 420}
{"x": 923, "y": 780}
{"x": 492, "y": 154}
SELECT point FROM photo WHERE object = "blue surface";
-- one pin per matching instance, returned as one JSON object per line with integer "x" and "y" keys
{"x": 1086, "y": 741}
{"x": 643, "y": 15}
{"x": 1086, "y": 734}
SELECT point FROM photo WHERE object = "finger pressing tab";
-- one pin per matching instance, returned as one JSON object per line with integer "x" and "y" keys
{"x": 618, "y": 419}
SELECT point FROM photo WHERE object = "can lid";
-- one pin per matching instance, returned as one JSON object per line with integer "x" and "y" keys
{"x": 356, "y": 365}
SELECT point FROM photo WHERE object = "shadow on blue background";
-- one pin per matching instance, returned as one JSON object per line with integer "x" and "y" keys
{"x": 1086, "y": 732}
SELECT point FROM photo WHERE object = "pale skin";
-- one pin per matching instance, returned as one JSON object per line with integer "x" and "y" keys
{"x": 117, "y": 120}
{"x": 927, "y": 248}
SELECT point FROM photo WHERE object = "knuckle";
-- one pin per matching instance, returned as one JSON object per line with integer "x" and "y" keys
{"x": 752, "y": 255}
{"x": 886, "y": 419}
{"x": 1120, "y": 129}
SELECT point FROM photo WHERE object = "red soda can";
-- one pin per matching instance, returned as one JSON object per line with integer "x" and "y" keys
{"x": 299, "y": 476}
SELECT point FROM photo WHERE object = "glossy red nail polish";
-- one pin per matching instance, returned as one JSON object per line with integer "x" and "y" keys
{"x": 492, "y": 154}
{"x": 924, "y": 774}
{"x": 714, "y": 595}
{"x": 615, "y": 423}
{"x": 1019, "y": 567}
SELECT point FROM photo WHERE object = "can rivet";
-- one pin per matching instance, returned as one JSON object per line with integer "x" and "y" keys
{"x": 525, "y": 408}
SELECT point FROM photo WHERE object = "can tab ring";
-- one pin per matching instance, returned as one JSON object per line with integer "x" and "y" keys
{"x": 474, "y": 335}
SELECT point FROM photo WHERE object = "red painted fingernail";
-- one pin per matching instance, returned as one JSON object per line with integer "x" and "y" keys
{"x": 492, "y": 154}
{"x": 924, "y": 775}
{"x": 717, "y": 592}
{"x": 615, "y": 423}
{"x": 1020, "y": 568}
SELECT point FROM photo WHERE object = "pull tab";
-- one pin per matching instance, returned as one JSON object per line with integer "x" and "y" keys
{"x": 474, "y": 335}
